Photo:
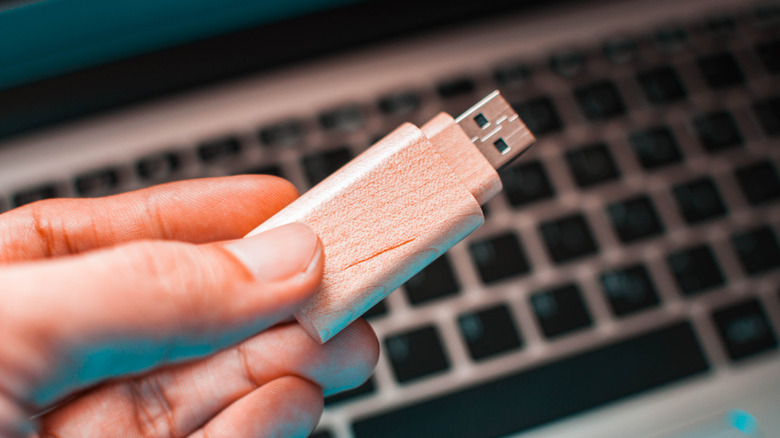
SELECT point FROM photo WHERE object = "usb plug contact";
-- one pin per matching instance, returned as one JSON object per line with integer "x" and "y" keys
{"x": 496, "y": 130}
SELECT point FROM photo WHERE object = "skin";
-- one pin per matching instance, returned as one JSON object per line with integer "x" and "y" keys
{"x": 142, "y": 315}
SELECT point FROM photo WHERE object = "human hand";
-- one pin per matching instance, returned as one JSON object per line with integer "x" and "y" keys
{"x": 114, "y": 326}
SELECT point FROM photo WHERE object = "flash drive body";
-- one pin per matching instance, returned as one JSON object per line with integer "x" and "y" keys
{"x": 399, "y": 205}
{"x": 381, "y": 219}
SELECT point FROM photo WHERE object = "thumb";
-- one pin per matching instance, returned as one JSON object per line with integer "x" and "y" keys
{"x": 77, "y": 320}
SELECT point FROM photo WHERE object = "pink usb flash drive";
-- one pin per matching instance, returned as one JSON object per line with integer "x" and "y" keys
{"x": 402, "y": 203}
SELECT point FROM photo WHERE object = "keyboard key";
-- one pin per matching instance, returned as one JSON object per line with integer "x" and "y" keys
{"x": 568, "y": 238}
{"x": 592, "y": 164}
{"x": 759, "y": 182}
{"x": 219, "y": 149}
{"x": 499, "y": 257}
{"x": 367, "y": 388}
{"x": 400, "y": 103}
{"x": 489, "y": 332}
{"x": 456, "y": 87}
{"x": 655, "y": 147}
{"x": 321, "y": 434}
{"x": 526, "y": 183}
{"x": 33, "y": 194}
{"x": 662, "y": 85}
{"x": 284, "y": 134}
{"x": 533, "y": 397}
{"x": 269, "y": 169}
{"x": 671, "y": 39}
{"x": 347, "y": 118}
{"x": 620, "y": 50}
{"x": 600, "y": 100}
{"x": 744, "y": 329}
{"x": 634, "y": 219}
{"x": 768, "y": 113}
{"x": 699, "y": 200}
{"x": 695, "y": 270}
{"x": 100, "y": 182}
{"x": 720, "y": 26}
{"x": 512, "y": 75}
{"x": 769, "y": 52}
{"x": 320, "y": 165}
{"x": 720, "y": 70}
{"x": 717, "y": 131}
{"x": 435, "y": 281}
{"x": 539, "y": 115}
{"x": 568, "y": 63}
{"x": 379, "y": 309}
{"x": 757, "y": 249}
{"x": 158, "y": 167}
{"x": 629, "y": 290}
{"x": 416, "y": 354}
{"x": 766, "y": 16}
{"x": 560, "y": 310}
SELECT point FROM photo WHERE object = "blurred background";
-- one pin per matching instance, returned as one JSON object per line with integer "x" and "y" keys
{"x": 625, "y": 283}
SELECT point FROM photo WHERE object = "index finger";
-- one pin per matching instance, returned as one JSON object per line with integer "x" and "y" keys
{"x": 196, "y": 211}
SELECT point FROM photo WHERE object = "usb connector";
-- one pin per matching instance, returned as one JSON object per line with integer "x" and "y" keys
{"x": 496, "y": 130}
{"x": 391, "y": 211}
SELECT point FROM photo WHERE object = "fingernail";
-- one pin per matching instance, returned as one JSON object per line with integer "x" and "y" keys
{"x": 279, "y": 253}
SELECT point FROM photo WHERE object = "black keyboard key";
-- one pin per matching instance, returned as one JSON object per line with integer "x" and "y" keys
{"x": 96, "y": 183}
{"x": 347, "y": 118}
{"x": 158, "y": 167}
{"x": 662, "y": 85}
{"x": 769, "y": 52}
{"x": 568, "y": 63}
{"x": 717, "y": 131}
{"x": 634, "y": 219}
{"x": 695, "y": 270}
{"x": 367, "y": 388}
{"x": 263, "y": 170}
{"x": 539, "y": 115}
{"x": 284, "y": 134}
{"x": 560, "y": 310}
{"x": 759, "y": 182}
{"x": 744, "y": 329}
{"x": 489, "y": 332}
{"x": 629, "y": 290}
{"x": 33, "y": 194}
{"x": 321, "y": 434}
{"x": 219, "y": 149}
{"x": 757, "y": 249}
{"x": 671, "y": 39}
{"x": 530, "y": 398}
{"x": 456, "y": 88}
{"x": 655, "y": 147}
{"x": 526, "y": 183}
{"x": 592, "y": 164}
{"x": 699, "y": 200}
{"x": 499, "y": 257}
{"x": 600, "y": 100}
{"x": 620, "y": 50}
{"x": 512, "y": 75}
{"x": 766, "y": 16}
{"x": 568, "y": 238}
{"x": 720, "y": 70}
{"x": 435, "y": 281}
{"x": 416, "y": 354}
{"x": 720, "y": 26}
{"x": 400, "y": 103}
{"x": 379, "y": 309}
{"x": 320, "y": 165}
{"x": 768, "y": 113}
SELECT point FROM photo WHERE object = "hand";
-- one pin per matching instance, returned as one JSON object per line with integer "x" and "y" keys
{"x": 116, "y": 327}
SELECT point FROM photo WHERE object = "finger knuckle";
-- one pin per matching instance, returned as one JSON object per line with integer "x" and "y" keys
{"x": 154, "y": 414}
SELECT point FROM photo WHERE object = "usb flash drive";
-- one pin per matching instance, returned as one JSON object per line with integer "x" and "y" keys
{"x": 399, "y": 205}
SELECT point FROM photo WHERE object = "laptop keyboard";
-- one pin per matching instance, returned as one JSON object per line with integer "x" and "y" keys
{"x": 654, "y": 185}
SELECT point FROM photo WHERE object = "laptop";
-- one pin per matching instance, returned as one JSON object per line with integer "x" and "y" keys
{"x": 626, "y": 281}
